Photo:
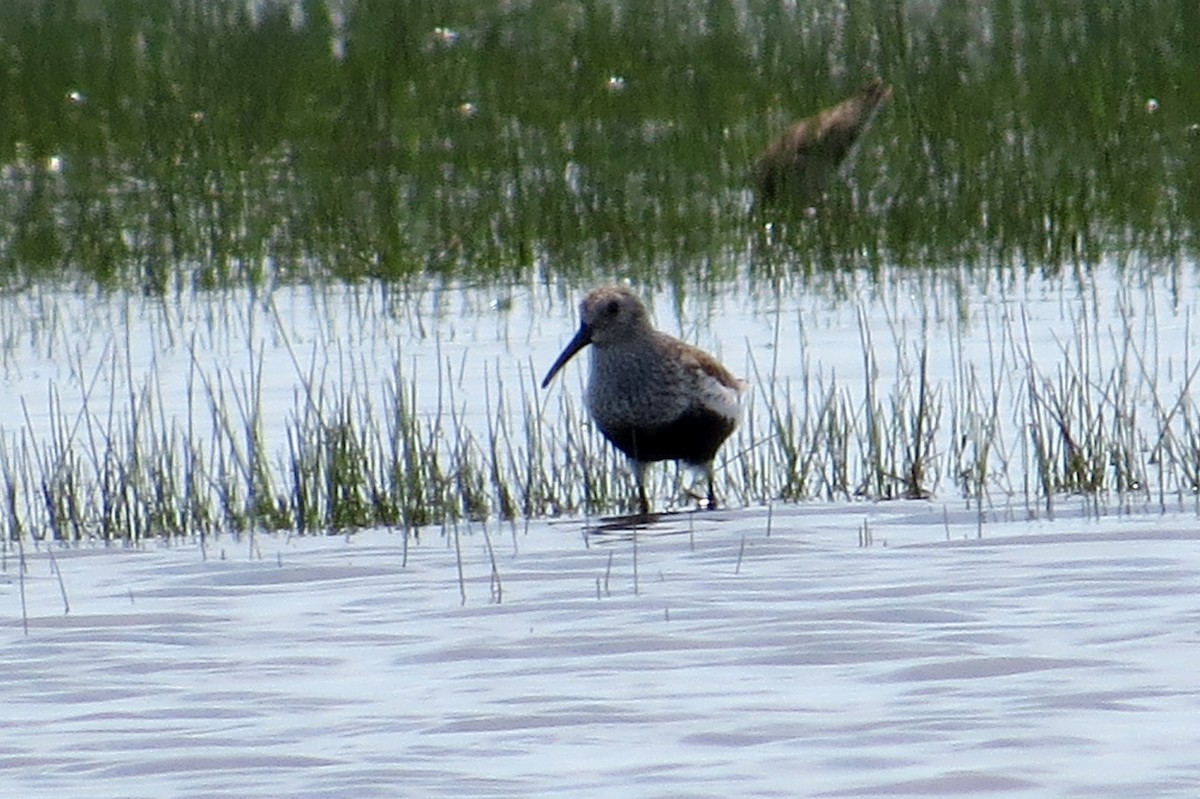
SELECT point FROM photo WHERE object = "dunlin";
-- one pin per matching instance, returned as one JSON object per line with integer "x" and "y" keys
{"x": 798, "y": 165}
{"x": 653, "y": 397}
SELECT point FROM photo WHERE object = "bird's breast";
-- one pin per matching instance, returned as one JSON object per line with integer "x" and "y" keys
{"x": 649, "y": 388}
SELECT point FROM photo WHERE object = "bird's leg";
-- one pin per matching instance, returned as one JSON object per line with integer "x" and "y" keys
{"x": 712, "y": 494}
{"x": 705, "y": 502}
{"x": 639, "y": 472}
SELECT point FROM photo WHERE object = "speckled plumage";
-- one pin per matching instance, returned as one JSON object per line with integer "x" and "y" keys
{"x": 653, "y": 396}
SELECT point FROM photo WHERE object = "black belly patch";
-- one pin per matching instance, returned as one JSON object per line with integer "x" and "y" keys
{"x": 693, "y": 438}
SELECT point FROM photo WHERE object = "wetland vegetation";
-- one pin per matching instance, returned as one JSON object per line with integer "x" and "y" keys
{"x": 231, "y": 149}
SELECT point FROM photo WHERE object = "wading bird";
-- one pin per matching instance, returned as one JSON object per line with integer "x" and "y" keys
{"x": 654, "y": 397}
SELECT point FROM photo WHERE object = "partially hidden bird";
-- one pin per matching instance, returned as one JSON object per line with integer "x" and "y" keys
{"x": 799, "y": 164}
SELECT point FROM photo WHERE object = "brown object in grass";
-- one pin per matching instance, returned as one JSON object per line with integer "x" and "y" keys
{"x": 798, "y": 165}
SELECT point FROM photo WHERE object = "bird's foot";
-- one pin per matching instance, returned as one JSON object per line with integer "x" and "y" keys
{"x": 703, "y": 502}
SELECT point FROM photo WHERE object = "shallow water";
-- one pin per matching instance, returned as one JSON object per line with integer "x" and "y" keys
{"x": 208, "y": 367}
{"x": 725, "y": 653}
{"x": 1014, "y": 244}
{"x": 1021, "y": 643}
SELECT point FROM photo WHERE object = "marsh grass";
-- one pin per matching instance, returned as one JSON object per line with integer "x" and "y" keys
{"x": 357, "y": 449}
{"x": 165, "y": 148}
{"x": 180, "y": 145}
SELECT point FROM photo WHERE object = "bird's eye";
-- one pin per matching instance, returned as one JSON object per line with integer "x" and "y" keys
{"x": 613, "y": 307}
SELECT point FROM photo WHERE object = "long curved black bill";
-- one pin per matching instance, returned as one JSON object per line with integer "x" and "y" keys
{"x": 582, "y": 338}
